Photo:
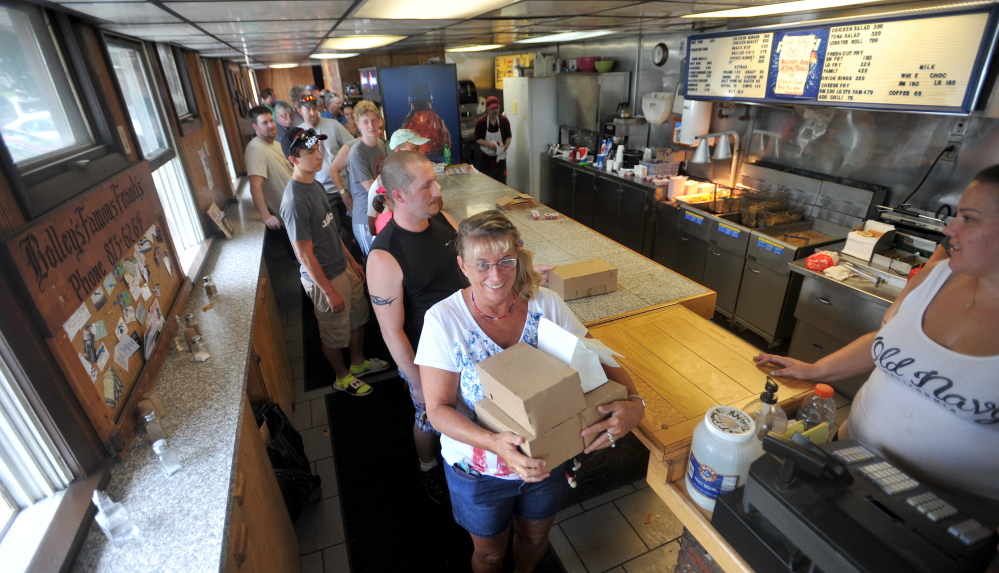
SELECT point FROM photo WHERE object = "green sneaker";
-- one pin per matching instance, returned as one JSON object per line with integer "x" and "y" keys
{"x": 352, "y": 386}
{"x": 369, "y": 366}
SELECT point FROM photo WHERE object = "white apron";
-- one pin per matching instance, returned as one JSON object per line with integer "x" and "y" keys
{"x": 497, "y": 138}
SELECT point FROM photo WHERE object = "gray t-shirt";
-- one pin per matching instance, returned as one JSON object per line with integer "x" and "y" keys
{"x": 336, "y": 137}
{"x": 364, "y": 163}
{"x": 307, "y": 217}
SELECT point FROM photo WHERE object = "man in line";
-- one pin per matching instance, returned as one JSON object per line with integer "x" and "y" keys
{"x": 267, "y": 98}
{"x": 411, "y": 268}
{"x": 492, "y": 133}
{"x": 284, "y": 115}
{"x": 296, "y": 92}
{"x": 336, "y": 137}
{"x": 333, "y": 110}
{"x": 402, "y": 140}
{"x": 267, "y": 168}
{"x": 331, "y": 277}
{"x": 364, "y": 163}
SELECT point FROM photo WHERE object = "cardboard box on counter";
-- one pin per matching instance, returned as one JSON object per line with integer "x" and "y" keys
{"x": 535, "y": 389}
{"x": 671, "y": 155}
{"x": 863, "y": 247}
{"x": 606, "y": 393}
{"x": 554, "y": 445}
{"x": 587, "y": 278}
{"x": 518, "y": 201}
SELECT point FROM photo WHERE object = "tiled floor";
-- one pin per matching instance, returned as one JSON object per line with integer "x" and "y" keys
{"x": 628, "y": 530}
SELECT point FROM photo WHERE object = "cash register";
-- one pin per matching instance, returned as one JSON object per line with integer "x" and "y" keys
{"x": 840, "y": 508}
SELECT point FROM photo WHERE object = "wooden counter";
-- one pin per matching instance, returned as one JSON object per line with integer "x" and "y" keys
{"x": 683, "y": 365}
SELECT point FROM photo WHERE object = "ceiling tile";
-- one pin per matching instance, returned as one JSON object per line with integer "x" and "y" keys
{"x": 669, "y": 9}
{"x": 589, "y": 22}
{"x": 258, "y": 38}
{"x": 554, "y": 8}
{"x": 156, "y": 30}
{"x": 249, "y": 11}
{"x": 363, "y": 25}
{"x": 124, "y": 12}
{"x": 498, "y": 23}
{"x": 260, "y": 27}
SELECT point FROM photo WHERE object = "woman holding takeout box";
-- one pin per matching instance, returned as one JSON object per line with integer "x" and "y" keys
{"x": 490, "y": 480}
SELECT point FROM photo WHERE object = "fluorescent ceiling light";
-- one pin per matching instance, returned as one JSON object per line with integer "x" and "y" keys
{"x": 409, "y": 10}
{"x": 771, "y": 9}
{"x": 339, "y": 56}
{"x": 360, "y": 42}
{"x": 283, "y": 66}
{"x": 475, "y": 48}
{"x": 566, "y": 37}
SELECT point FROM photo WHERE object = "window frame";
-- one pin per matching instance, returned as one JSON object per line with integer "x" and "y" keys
{"x": 159, "y": 93}
{"x": 191, "y": 121}
{"x": 44, "y": 185}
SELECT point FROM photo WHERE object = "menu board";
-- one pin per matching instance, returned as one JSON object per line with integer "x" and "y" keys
{"x": 933, "y": 63}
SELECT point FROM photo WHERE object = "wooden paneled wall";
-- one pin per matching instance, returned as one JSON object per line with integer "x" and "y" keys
{"x": 237, "y": 129}
{"x": 281, "y": 80}
{"x": 347, "y": 69}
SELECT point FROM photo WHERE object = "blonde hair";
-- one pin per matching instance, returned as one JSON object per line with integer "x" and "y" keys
{"x": 491, "y": 232}
{"x": 365, "y": 107}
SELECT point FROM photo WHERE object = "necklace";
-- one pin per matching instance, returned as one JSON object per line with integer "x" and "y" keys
{"x": 973, "y": 291}
{"x": 484, "y": 315}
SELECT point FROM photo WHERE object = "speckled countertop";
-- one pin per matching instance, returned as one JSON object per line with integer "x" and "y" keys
{"x": 182, "y": 518}
{"x": 642, "y": 283}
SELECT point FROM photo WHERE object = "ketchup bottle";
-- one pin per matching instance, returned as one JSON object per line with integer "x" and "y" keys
{"x": 424, "y": 120}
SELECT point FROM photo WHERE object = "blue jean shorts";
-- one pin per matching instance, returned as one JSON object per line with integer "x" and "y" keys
{"x": 422, "y": 422}
{"x": 484, "y": 505}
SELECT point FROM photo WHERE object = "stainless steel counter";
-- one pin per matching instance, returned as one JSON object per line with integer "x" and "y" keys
{"x": 882, "y": 294}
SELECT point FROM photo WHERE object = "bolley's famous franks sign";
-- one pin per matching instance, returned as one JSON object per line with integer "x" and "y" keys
{"x": 63, "y": 257}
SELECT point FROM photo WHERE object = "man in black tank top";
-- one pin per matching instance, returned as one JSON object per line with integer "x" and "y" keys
{"x": 411, "y": 267}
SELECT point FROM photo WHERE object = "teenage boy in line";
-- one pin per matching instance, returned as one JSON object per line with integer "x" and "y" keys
{"x": 364, "y": 163}
{"x": 330, "y": 275}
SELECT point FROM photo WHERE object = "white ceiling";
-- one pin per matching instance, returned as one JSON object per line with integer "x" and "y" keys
{"x": 265, "y": 32}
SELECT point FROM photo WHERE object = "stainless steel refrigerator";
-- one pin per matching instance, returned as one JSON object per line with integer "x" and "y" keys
{"x": 530, "y": 107}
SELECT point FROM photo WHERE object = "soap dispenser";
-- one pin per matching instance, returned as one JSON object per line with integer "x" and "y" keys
{"x": 769, "y": 417}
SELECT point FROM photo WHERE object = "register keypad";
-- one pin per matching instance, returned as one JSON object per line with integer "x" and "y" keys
{"x": 888, "y": 478}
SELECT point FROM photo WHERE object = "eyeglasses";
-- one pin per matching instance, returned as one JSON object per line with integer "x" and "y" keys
{"x": 504, "y": 265}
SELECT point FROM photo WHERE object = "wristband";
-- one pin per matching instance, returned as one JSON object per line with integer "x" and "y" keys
{"x": 640, "y": 399}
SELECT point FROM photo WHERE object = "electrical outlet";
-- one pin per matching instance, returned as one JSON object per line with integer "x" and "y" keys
{"x": 952, "y": 155}
{"x": 960, "y": 127}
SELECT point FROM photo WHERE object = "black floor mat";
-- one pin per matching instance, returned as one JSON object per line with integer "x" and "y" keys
{"x": 389, "y": 521}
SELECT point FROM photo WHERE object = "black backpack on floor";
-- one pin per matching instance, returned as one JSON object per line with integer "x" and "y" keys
{"x": 287, "y": 454}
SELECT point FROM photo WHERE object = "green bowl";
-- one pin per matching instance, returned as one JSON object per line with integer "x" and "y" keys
{"x": 604, "y": 65}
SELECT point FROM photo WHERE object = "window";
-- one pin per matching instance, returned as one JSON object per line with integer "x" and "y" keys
{"x": 179, "y": 87}
{"x": 206, "y": 73}
{"x": 141, "y": 95}
{"x": 53, "y": 125}
{"x": 129, "y": 62}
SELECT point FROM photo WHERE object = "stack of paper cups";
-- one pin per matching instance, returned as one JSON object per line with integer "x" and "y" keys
{"x": 620, "y": 154}
{"x": 676, "y": 186}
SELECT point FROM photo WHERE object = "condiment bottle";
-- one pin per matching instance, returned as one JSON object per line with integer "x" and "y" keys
{"x": 192, "y": 323}
{"x": 153, "y": 428}
{"x": 167, "y": 456}
{"x": 200, "y": 349}
{"x": 769, "y": 417}
{"x": 722, "y": 449}
{"x": 179, "y": 340}
{"x": 113, "y": 519}
{"x": 210, "y": 289}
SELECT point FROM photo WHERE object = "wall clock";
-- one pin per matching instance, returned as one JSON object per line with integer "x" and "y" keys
{"x": 660, "y": 54}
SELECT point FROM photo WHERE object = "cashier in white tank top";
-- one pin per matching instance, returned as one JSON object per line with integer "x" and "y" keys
{"x": 931, "y": 403}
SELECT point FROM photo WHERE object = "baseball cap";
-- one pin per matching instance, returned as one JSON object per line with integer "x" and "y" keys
{"x": 492, "y": 101}
{"x": 298, "y": 138}
{"x": 305, "y": 99}
{"x": 406, "y": 135}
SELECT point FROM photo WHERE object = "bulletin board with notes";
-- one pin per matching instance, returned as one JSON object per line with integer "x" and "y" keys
{"x": 100, "y": 276}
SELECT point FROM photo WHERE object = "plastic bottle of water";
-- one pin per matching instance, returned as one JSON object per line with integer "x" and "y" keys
{"x": 447, "y": 153}
{"x": 818, "y": 407}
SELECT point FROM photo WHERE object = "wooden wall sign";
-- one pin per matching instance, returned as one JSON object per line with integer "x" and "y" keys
{"x": 101, "y": 277}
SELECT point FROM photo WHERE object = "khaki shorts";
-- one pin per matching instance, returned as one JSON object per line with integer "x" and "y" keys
{"x": 335, "y": 327}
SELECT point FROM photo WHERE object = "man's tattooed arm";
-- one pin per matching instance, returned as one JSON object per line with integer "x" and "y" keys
{"x": 379, "y": 301}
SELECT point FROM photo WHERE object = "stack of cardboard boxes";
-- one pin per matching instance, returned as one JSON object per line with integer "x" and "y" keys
{"x": 536, "y": 396}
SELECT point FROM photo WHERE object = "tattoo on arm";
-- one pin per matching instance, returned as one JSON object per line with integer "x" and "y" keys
{"x": 379, "y": 301}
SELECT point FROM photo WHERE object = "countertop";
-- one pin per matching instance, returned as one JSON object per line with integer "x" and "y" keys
{"x": 642, "y": 283}
{"x": 183, "y": 518}
{"x": 590, "y": 168}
